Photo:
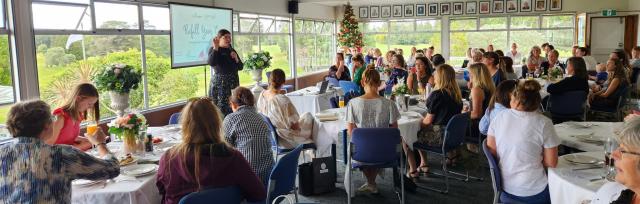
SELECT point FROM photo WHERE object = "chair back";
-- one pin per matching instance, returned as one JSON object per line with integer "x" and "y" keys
{"x": 570, "y": 103}
{"x": 496, "y": 176}
{"x": 283, "y": 176}
{"x": 623, "y": 94}
{"x": 455, "y": 131}
{"x": 175, "y": 118}
{"x": 272, "y": 128}
{"x": 332, "y": 81}
{"x": 349, "y": 86}
{"x": 231, "y": 194}
{"x": 375, "y": 145}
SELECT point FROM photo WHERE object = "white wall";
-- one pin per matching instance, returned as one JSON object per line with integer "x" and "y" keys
{"x": 278, "y": 7}
{"x": 596, "y": 5}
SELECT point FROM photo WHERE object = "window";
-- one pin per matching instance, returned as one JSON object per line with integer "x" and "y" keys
{"x": 402, "y": 34}
{"x": 262, "y": 33}
{"x": 557, "y": 30}
{"x": 61, "y": 17}
{"x": 7, "y": 93}
{"x": 314, "y": 46}
{"x": 71, "y": 56}
{"x": 126, "y": 18}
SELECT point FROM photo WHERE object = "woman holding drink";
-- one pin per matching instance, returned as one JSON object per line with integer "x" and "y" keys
{"x": 82, "y": 102}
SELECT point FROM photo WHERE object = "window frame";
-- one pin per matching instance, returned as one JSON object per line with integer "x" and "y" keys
{"x": 315, "y": 66}
{"x": 389, "y": 32}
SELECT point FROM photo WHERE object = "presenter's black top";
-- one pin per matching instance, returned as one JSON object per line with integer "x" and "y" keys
{"x": 222, "y": 62}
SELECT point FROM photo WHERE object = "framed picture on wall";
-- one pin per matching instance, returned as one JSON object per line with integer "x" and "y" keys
{"x": 498, "y": 6}
{"x": 408, "y": 10}
{"x": 525, "y": 5}
{"x": 385, "y": 11}
{"x": 458, "y": 8}
{"x": 541, "y": 5}
{"x": 445, "y": 9}
{"x": 555, "y": 5}
{"x": 485, "y": 7}
{"x": 364, "y": 12}
{"x": 421, "y": 9}
{"x": 512, "y": 6}
{"x": 472, "y": 7}
{"x": 374, "y": 12}
{"x": 397, "y": 10}
{"x": 433, "y": 9}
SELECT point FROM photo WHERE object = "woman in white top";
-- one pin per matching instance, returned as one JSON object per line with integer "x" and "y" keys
{"x": 588, "y": 59}
{"x": 292, "y": 128}
{"x": 627, "y": 162}
{"x": 514, "y": 54}
{"x": 371, "y": 111}
{"x": 525, "y": 143}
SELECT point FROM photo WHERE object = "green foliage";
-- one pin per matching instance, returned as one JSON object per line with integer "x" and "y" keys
{"x": 55, "y": 56}
{"x": 258, "y": 60}
{"x": 349, "y": 34}
{"x": 120, "y": 78}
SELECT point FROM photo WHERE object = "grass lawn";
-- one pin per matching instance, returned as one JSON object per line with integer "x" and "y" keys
{"x": 3, "y": 113}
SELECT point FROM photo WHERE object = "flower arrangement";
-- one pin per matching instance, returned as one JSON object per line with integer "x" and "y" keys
{"x": 130, "y": 123}
{"x": 400, "y": 89}
{"x": 556, "y": 72}
{"x": 258, "y": 60}
{"x": 119, "y": 78}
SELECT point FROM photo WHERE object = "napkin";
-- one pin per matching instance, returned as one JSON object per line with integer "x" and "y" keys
{"x": 294, "y": 94}
{"x": 327, "y": 116}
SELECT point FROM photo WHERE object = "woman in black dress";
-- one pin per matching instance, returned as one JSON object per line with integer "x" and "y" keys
{"x": 226, "y": 63}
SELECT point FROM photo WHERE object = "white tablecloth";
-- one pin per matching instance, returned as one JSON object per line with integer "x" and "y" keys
{"x": 142, "y": 191}
{"x": 569, "y": 186}
{"x": 327, "y": 132}
{"x": 568, "y": 131}
{"x": 307, "y": 99}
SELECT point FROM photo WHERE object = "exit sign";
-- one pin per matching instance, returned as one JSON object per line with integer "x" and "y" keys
{"x": 609, "y": 12}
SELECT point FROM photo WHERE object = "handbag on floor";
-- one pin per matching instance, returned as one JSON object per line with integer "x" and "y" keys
{"x": 317, "y": 176}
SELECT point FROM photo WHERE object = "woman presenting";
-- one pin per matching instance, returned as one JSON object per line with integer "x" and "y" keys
{"x": 225, "y": 63}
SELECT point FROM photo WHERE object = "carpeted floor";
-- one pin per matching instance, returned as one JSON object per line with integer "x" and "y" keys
{"x": 460, "y": 192}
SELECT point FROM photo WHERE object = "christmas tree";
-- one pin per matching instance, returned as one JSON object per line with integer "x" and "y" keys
{"x": 349, "y": 34}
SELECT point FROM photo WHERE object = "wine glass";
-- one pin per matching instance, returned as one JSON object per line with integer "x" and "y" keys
{"x": 610, "y": 145}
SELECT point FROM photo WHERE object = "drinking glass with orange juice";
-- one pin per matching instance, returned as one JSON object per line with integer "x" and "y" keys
{"x": 92, "y": 129}
{"x": 341, "y": 102}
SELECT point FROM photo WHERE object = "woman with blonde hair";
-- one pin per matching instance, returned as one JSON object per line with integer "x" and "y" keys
{"x": 388, "y": 58}
{"x": 443, "y": 103}
{"x": 293, "y": 129}
{"x": 377, "y": 54}
{"x": 80, "y": 106}
{"x": 482, "y": 89}
{"x": 371, "y": 111}
{"x": 204, "y": 159}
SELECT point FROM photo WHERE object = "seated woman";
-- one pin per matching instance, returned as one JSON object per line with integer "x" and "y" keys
{"x": 437, "y": 60}
{"x": 525, "y": 143}
{"x": 607, "y": 98}
{"x": 443, "y": 103}
{"x": 371, "y": 111}
{"x": 531, "y": 69}
{"x": 506, "y": 65}
{"x": 551, "y": 62}
{"x": 492, "y": 60}
{"x": 246, "y": 130}
{"x": 578, "y": 81}
{"x": 482, "y": 90}
{"x": 498, "y": 104}
{"x": 292, "y": 128}
{"x": 36, "y": 172}
{"x": 421, "y": 77}
{"x": 358, "y": 65}
{"x": 398, "y": 72}
{"x": 203, "y": 159}
{"x": 66, "y": 127}
{"x": 339, "y": 71}
{"x": 627, "y": 163}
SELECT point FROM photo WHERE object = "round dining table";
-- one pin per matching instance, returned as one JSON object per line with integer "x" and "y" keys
{"x": 576, "y": 183}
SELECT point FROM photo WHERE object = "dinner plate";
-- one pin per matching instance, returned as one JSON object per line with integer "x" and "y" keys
{"x": 580, "y": 159}
{"x": 589, "y": 138}
{"x": 175, "y": 127}
{"x": 139, "y": 169}
{"x": 410, "y": 114}
{"x": 84, "y": 182}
